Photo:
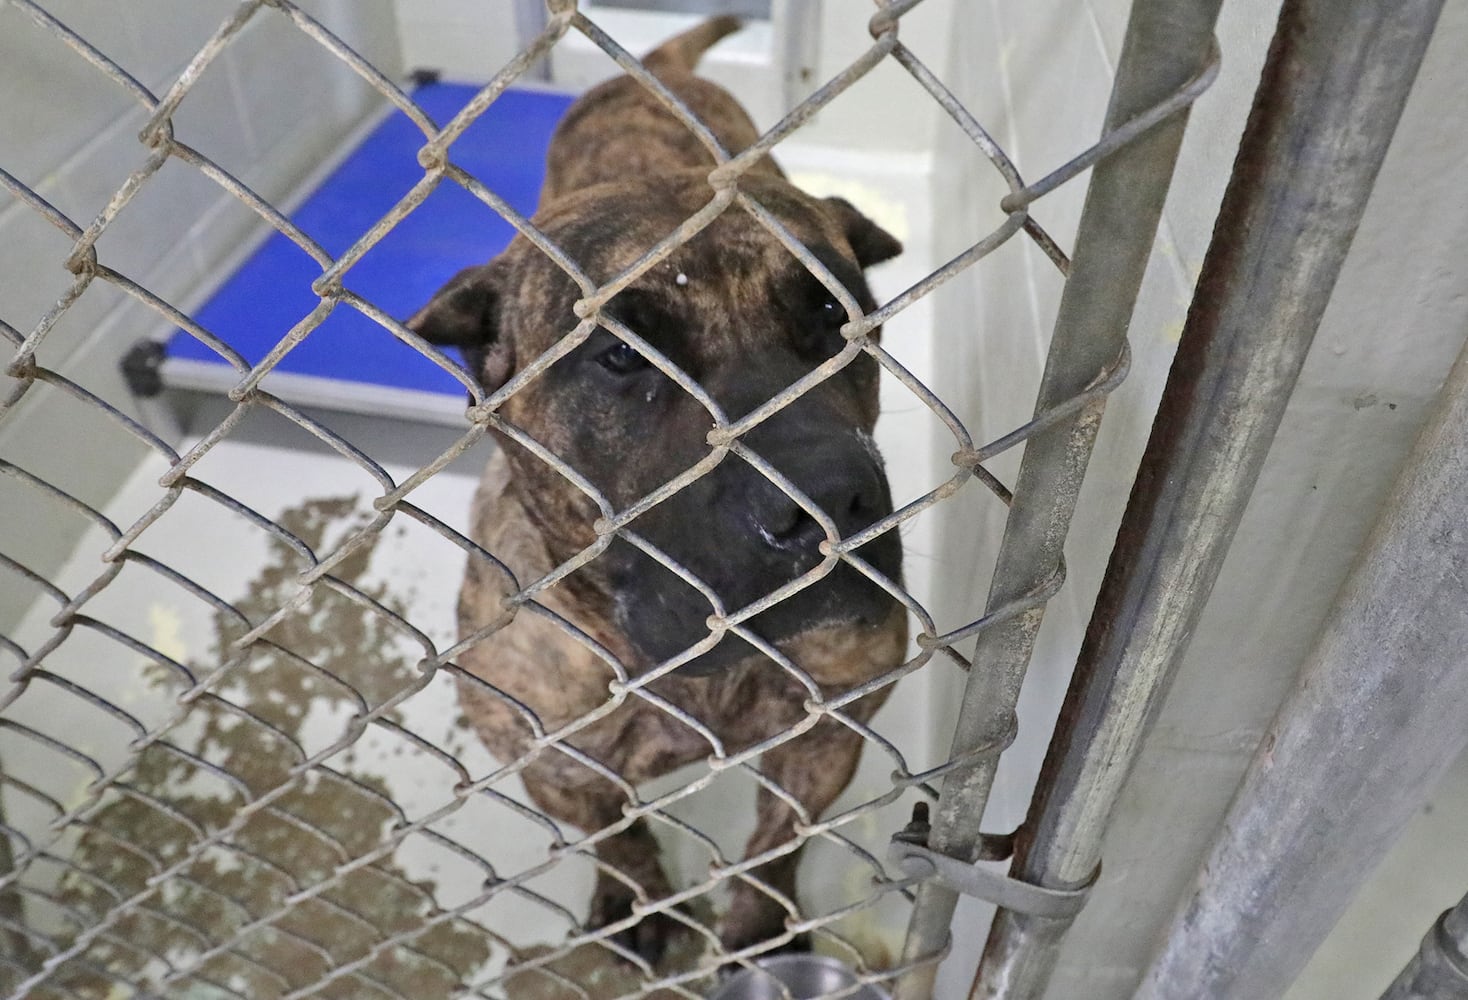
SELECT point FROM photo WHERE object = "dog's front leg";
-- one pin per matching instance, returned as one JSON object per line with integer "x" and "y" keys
{"x": 813, "y": 769}
{"x": 628, "y": 869}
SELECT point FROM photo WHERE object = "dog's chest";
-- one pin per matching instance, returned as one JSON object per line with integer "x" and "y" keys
{"x": 741, "y": 706}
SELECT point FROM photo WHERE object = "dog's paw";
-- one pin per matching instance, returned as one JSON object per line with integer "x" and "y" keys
{"x": 648, "y": 938}
{"x": 761, "y": 942}
{"x": 748, "y": 926}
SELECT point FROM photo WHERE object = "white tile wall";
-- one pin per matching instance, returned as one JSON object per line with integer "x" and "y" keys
{"x": 464, "y": 39}
{"x": 270, "y": 112}
{"x": 163, "y": 35}
{"x": 55, "y": 100}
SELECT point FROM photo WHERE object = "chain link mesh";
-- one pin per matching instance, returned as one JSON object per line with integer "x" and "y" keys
{"x": 87, "y": 910}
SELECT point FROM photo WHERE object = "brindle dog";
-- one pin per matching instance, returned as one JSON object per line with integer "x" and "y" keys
{"x": 739, "y": 314}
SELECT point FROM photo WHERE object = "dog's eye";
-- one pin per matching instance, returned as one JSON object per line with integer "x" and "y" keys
{"x": 832, "y": 313}
{"x": 621, "y": 359}
{"x": 820, "y": 335}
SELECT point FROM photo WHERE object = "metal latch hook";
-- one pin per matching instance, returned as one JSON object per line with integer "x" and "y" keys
{"x": 909, "y": 851}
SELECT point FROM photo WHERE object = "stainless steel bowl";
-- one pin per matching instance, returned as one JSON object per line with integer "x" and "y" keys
{"x": 805, "y": 976}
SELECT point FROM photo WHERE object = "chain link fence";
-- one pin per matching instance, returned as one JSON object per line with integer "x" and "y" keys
{"x": 221, "y": 851}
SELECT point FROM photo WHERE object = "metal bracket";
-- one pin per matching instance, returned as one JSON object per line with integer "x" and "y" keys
{"x": 909, "y": 851}
{"x": 142, "y": 368}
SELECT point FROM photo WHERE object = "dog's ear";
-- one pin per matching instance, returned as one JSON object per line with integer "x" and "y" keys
{"x": 870, "y": 242}
{"x": 464, "y": 313}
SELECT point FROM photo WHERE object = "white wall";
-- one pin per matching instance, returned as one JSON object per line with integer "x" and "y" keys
{"x": 269, "y": 110}
{"x": 886, "y": 110}
{"x": 464, "y": 39}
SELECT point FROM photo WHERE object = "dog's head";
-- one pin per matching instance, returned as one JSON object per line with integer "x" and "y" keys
{"x": 736, "y": 312}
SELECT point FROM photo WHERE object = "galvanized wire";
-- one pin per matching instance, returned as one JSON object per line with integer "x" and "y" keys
{"x": 78, "y": 950}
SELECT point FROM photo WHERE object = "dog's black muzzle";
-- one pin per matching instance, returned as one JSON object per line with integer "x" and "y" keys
{"x": 745, "y": 538}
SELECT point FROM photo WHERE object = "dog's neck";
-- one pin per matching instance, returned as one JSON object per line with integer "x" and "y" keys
{"x": 505, "y": 524}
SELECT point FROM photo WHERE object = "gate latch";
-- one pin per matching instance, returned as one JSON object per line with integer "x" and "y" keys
{"x": 909, "y": 851}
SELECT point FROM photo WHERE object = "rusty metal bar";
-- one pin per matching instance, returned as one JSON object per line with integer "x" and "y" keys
{"x": 1166, "y": 44}
{"x": 1439, "y": 970}
{"x": 1379, "y": 711}
{"x": 1327, "y": 105}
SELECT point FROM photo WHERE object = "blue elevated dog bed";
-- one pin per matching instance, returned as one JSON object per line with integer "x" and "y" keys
{"x": 350, "y": 362}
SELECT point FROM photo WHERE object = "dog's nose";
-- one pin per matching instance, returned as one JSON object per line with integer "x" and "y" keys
{"x": 788, "y": 527}
{"x": 852, "y": 501}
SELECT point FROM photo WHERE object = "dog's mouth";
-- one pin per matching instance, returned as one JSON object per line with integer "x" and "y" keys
{"x": 664, "y": 616}
{"x": 732, "y": 649}
{"x": 735, "y": 538}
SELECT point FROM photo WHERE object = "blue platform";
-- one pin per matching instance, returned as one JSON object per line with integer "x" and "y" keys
{"x": 505, "y": 149}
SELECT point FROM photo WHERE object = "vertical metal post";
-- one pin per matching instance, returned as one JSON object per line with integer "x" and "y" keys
{"x": 531, "y": 19}
{"x": 1439, "y": 970}
{"x": 1379, "y": 711}
{"x": 797, "y": 26}
{"x": 1166, "y": 43}
{"x": 1327, "y": 105}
